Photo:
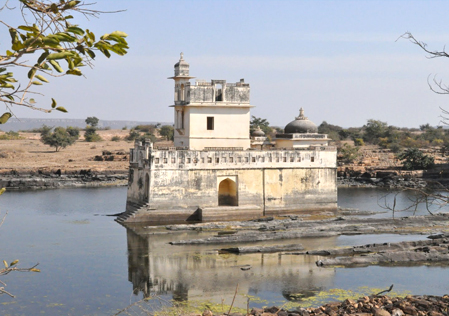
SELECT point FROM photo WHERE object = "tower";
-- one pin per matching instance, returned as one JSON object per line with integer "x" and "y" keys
{"x": 210, "y": 115}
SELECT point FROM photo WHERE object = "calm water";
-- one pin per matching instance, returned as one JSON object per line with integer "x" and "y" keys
{"x": 93, "y": 266}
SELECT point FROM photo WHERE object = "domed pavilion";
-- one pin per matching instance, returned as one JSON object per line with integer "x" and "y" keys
{"x": 301, "y": 133}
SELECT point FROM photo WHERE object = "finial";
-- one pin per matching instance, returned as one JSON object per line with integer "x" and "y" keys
{"x": 182, "y": 56}
{"x": 301, "y": 115}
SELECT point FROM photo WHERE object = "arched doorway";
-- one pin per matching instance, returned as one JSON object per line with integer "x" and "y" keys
{"x": 147, "y": 187}
{"x": 227, "y": 193}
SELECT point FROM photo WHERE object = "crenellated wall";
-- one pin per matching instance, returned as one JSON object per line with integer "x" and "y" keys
{"x": 179, "y": 183}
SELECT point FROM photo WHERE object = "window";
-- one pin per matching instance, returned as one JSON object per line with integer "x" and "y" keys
{"x": 188, "y": 160}
{"x": 312, "y": 159}
{"x": 263, "y": 159}
{"x": 173, "y": 160}
{"x": 246, "y": 159}
{"x": 239, "y": 159}
{"x": 231, "y": 159}
{"x": 156, "y": 161}
{"x": 209, "y": 159}
{"x": 291, "y": 159}
{"x": 165, "y": 160}
{"x": 299, "y": 159}
{"x": 202, "y": 160}
{"x": 253, "y": 159}
{"x": 223, "y": 159}
{"x": 217, "y": 160}
{"x": 210, "y": 123}
{"x": 284, "y": 159}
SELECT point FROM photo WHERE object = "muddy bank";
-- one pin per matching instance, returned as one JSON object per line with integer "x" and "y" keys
{"x": 365, "y": 306}
{"x": 54, "y": 179}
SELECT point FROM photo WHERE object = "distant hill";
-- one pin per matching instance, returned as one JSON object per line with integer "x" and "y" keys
{"x": 22, "y": 124}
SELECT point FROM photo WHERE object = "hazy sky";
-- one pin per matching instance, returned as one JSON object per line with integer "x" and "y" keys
{"x": 339, "y": 60}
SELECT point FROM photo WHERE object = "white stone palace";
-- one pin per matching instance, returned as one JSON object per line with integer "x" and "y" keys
{"x": 217, "y": 171}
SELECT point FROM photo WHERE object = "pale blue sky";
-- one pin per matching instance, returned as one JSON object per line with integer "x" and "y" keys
{"x": 339, "y": 60}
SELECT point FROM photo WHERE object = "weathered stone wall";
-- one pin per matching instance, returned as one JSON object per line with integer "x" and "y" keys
{"x": 276, "y": 181}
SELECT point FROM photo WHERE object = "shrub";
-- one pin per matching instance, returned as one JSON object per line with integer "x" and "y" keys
{"x": 116, "y": 139}
{"x": 359, "y": 142}
{"x": 146, "y": 128}
{"x": 414, "y": 159}
{"x": 91, "y": 135}
{"x": 10, "y": 136}
{"x": 348, "y": 153}
{"x": 59, "y": 138}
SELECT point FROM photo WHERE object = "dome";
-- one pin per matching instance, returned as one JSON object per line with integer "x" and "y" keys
{"x": 300, "y": 125}
{"x": 258, "y": 132}
{"x": 181, "y": 61}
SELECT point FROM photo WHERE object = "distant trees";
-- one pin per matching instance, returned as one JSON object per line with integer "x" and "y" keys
{"x": 167, "y": 131}
{"x": 262, "y": 123}
{"x": 60, "y": 137}
{"x": 91, "y": 134}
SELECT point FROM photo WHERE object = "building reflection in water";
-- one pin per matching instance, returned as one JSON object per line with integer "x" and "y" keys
{"x": 199, "y": 272}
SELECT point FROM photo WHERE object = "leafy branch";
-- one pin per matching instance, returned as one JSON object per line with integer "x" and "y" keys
{"x": 63, "y": 48}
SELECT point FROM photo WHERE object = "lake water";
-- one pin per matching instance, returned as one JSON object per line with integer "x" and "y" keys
{"x": 90, "y": 265}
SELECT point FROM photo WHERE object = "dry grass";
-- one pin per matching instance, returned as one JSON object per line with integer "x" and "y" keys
{"x": 29, "y": 154}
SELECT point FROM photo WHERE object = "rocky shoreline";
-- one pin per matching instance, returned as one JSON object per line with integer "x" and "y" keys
{"x": 374, "y": 305}
{"x": 56, "y": 179}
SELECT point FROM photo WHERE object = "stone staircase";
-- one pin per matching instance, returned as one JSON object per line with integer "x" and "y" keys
{"x": 131, "y": 209}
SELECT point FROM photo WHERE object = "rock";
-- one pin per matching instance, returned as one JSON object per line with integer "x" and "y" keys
{"x": 272, "y": 309}
{"x": 256, "y": 311}
{"x": 397, "y": 312}
{"x": 380, "y": 312}
{"x": 266, "y": 249}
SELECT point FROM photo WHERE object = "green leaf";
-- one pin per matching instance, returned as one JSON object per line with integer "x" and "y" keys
{"x": 53, "y": 103}
{"x": 2, "y": 70}
{"x": 119, "y": 33}
{"x": 56, "y": 65}
{"x": 32, "y": 101}
{"x": 4, "y": 118}
{"x": 32, "y": 72}
{"x": 35, "y": 270}
{"x": 51, "y": 41}
{"x": 14, "y": 263}
{"x": 14, "y": 37}
{"x": 74, "y": 71}
{"x": 33, "y": 28}
{"x": 75, "y": 30}
{"x": 9, "y": 53}
{"x": 10, "y": 97}
{"x": 37, "y": 83}
{"x": 42, "y": 57}
{"x": 70, "y": 63}
{"x": 5, "y": 263}
{"x": 65, "y": 37}
{"x": 59, "y": 55}
{"x": 90, "y": 53}
{"x": 7, "y": 86}
{"x": 41, "y": 78}
{"x": 2, "y": 190}
{"x": 70, "y": 5}
{"x": 62, "y": 109}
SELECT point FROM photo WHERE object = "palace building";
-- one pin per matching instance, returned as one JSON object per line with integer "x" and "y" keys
{"x": 217, "y": 171}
